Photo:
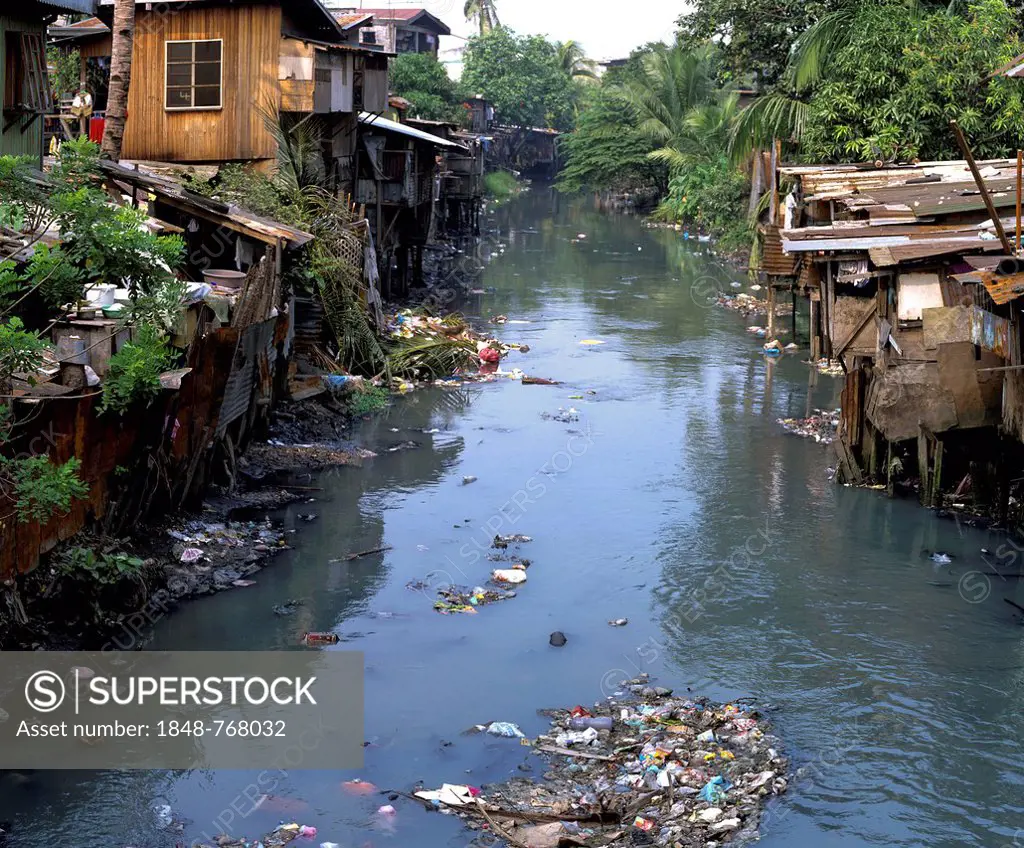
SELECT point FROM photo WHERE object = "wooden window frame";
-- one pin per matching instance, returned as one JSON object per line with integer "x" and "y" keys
{"x": 220, "y": 83}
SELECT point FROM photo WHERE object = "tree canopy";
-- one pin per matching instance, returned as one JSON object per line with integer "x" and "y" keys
{"x": 522, "y": 76}
{"x": 423, "y": 81}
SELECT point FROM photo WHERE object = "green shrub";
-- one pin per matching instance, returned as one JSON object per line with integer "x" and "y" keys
{"x": 500, "y": 184}
{"x": 135, "y": 370}
{"x": 366, "y": 400}
{"x": 41, "y": 488}
{"x": 107, "y": 569}
{"x": 711, "y": 196}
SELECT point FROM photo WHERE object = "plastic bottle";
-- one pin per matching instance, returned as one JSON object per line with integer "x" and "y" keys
{"x": 596, "y": 722}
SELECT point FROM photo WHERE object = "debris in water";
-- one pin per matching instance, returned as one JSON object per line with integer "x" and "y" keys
{"x": 670, "y": 771}
{"x": 821, "y": 427}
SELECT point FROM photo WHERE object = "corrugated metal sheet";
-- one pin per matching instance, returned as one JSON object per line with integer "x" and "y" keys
{"x": 1000, "y": 289}
{"x": 255, "y": 344}
{"x": 774, "y": 260}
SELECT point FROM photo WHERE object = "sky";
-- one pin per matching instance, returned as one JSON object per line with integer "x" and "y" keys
{"x": 586, "y": 21}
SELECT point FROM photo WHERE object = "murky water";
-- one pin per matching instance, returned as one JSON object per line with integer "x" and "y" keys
{"x": 675, "y": 501}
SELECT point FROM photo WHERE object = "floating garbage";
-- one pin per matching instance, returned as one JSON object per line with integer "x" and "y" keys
{"x": 638, "y": 774}
{"x": 821, "y": 426}
{"x": 459, "y": 599}
{"x": 514, "y": 539}
{"x": 311, "y": 639}
{"x": 829, "y": 367}
{"x": 565, "y": 416}
{"x": 591, "y": 342}
{"x": 506, "y": 729}
{"x": 512, "y": 576}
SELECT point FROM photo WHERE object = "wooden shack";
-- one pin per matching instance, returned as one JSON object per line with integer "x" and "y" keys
{"x": 23, "y": 73}
{"x": 209, "y": 73}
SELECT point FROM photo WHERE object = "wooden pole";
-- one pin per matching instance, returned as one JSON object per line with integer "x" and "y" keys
{"x": 1020, "y": 169}
{"x": 982, "y": 188}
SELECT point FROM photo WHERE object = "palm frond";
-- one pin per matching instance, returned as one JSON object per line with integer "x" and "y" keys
{"x": 773, "y": 116}
{"x": 814, "y": 47}
{"x": 431, "y": 357}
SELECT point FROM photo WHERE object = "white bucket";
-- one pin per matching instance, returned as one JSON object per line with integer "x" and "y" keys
{"x": 102, "y": 295}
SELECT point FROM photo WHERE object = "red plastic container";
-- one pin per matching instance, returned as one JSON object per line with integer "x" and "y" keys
{"x": 96, "y": 127}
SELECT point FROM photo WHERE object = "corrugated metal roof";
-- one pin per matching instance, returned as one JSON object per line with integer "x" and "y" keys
{"x": 368, "y": 119}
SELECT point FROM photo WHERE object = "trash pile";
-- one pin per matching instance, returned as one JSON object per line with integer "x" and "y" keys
{"x": 463, "y": 599}
{"x": 445, "y": 350}
{"x": 821, "y": 426}
{"x": 285, "y": 834}
{"x": 647, "y": 769}
{"x": 748, "y": 304}
{"x": 829, "y": 367}
{"x": 200, "y": 540}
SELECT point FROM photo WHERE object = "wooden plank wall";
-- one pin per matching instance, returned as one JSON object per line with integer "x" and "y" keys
{"x": 296, "y": 63}
{"x": 252, "y": 41}
{"x": 14, "y": 142}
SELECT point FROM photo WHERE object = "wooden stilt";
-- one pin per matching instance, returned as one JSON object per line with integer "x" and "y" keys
{"x": 936, "y": 495}
{"x": 771, "y": 312}
{"x": 815, "y": 330}
{"x": 923, "y": 467}
{"x": 890, "y": 484}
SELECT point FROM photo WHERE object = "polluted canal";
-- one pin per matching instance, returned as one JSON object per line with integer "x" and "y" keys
{"x": 659, "y": 488}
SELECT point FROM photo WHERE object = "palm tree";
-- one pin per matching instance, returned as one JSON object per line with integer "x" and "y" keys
{"x": 675, "y": 98}
{"x": 485, "y": 12}
{"x": 120, "y": 78}
{"x": 573, "y": 60}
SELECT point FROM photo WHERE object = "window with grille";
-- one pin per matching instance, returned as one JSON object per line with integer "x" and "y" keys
{"x": 194, "y": 75}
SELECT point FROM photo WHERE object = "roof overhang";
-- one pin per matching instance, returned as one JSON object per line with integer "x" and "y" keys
{"x": 310, "y": 12}
{"x": 368, "y": 119}
{"x": 85, "y": 7}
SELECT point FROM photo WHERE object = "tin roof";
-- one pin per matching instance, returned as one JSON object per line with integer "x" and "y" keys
{"x": 376, "y": 122}
{"x": 901, "y": 213}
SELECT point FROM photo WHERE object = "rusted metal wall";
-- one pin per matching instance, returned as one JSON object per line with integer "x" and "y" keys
{"x": 183, "y": 423}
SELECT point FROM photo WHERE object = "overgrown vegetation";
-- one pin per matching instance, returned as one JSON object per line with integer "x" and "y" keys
{"x": 423, "y": 81}
{"x": 36, "y": 486}
{"x": 837, "y": 80}
{"x": 368, "y": 399}
{"x": 134, "y": 375}
{"x": 92, "y": 568}
{"x": 500, "y": 184}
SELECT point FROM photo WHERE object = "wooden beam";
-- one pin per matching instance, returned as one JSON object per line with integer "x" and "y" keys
{"x": 1020, "y": 171}
{"x": 982, "y": 188}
